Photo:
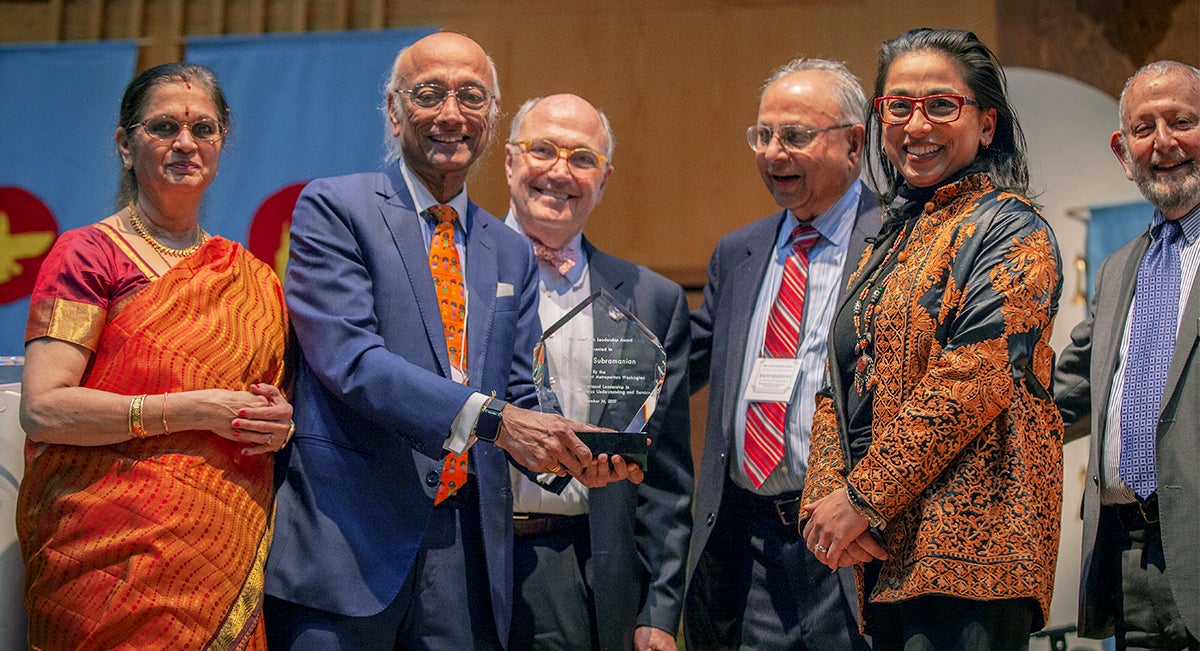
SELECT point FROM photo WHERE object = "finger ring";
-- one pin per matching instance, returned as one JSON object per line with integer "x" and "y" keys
{"x": 269, "y": 437}
{"x": 291, "y": 430}
{"x": 556, "y": 468}
{"x": 820, "y": 548}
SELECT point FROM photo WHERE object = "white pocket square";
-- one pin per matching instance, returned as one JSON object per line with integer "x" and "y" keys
{"x": 504, "y": 289}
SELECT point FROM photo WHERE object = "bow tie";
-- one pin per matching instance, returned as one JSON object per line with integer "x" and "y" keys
{"x": 561, "y": 259}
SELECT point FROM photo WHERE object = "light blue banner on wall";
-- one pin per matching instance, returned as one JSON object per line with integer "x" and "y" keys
{"x": 58, "y": 163}
{"x": 1108, "y": 228}
{"x": 303, "y": 106}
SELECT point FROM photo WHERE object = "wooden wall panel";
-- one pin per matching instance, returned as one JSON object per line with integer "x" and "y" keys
{"x": 1100, "y": 42}
{"x": 678, "y": 78}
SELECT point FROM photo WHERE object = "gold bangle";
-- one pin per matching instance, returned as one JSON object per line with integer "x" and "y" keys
{"x": 166, "y": 430}
{"x": 137, "y": 428}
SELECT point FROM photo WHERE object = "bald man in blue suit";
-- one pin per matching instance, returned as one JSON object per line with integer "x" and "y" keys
{"x": 362, "y": 556}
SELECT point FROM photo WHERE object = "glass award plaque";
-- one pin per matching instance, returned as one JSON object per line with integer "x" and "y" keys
{"x": 607, "y": 373}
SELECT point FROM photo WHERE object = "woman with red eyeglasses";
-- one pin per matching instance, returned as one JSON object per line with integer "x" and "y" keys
{"x": 936, "y": 463}
{"x": 150, "y": 401}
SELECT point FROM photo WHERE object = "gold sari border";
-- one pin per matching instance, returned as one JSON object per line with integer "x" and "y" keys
{"x": 246, "y": 610}
{"x": 133, "y": 256}
{"x": 71, "y": 321}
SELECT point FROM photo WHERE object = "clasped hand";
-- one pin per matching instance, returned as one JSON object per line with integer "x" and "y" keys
{"x": 836, "y": 533}
{"x": 547, "y": 443}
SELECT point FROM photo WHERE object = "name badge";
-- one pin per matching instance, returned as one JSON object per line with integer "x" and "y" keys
{"x": 772, "y": 380}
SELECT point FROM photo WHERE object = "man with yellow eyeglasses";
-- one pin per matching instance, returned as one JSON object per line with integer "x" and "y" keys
{"x": 600, "y": 568}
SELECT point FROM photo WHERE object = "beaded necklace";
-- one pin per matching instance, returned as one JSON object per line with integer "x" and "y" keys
{"x": 864, "y": 316}
{"x": 163, "y": 249}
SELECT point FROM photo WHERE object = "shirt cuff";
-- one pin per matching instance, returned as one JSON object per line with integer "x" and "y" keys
{"x": 463, "y": 427}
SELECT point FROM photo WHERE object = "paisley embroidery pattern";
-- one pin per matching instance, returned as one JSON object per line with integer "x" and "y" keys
{"x": 965, "y": 462}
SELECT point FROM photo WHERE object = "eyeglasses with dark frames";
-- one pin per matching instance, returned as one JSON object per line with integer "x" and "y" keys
{"x": 939, "y": 109}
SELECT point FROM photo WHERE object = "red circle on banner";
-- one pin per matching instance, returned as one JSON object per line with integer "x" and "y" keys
{"x": 268, "y": 238}
{"x": 27, "y": 229}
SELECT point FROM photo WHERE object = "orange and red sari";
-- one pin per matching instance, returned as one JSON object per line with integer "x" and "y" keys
{"x": 158, "y": 542}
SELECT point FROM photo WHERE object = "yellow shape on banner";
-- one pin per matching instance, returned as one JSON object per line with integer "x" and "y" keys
{"x": 19, "y": 246}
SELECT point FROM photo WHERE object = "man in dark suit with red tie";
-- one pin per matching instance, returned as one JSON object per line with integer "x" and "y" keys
{"x": 759, "y": 342}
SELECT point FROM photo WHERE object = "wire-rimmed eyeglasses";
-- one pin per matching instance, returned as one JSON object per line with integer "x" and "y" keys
{"x": 792, "y": 137}
{"x": 431, "y": 96}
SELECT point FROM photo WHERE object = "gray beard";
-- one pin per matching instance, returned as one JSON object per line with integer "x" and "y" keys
{"x": 1170, "y": 195}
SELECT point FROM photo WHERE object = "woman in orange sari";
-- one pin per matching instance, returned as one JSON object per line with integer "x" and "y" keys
{"x": 150, "y": 401}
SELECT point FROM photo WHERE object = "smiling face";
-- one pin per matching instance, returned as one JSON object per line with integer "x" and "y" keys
{"x": 440, "y": 144}
{"x": 181, "y": 168}
{"x": 1159, "y": 141}
{"x": 926, "y": 153}
{"x": 810, "y": 180}
{"x": 552, "y": 203}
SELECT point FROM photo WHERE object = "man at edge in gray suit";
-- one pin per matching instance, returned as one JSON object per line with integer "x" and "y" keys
{"x": 600, "y": 568}
{"x": 753, "y": 584}
{"x": 1141, "y": 527}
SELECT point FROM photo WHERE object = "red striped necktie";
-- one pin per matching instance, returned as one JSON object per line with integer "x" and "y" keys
{"x": 766, "y": 422}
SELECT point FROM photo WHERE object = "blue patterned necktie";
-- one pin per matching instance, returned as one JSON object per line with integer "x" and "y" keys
{"x": 1151, "y": 344}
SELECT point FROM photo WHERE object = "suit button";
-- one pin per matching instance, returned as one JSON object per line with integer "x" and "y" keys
{"x": 710, "y": 519}
{"x": 432, "y": 479}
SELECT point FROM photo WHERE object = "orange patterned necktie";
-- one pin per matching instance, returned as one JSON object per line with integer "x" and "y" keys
{"x": 451, "y": 294}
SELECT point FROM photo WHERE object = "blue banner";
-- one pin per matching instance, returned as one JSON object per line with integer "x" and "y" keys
{"x": 302, "y": 106}
{"x": 58, "y": 163}
{"x": 1108, "y": 228}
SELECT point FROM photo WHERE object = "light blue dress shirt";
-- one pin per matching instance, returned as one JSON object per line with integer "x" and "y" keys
{"x": 825, "y": 263}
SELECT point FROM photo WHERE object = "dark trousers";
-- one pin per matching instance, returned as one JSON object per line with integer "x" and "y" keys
{"x": 553, "y": 608}
{"x": 757, "y": 586}
{"x": 443, "y": 604}
{"x": 940, "y": 623}
{"x": 1147, "y": 616}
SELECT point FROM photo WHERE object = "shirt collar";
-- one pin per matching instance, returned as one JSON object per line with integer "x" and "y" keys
{"x": 834, "y": 224}
{"x": 423, "y": 198}
{"x": 1189, "y": 223}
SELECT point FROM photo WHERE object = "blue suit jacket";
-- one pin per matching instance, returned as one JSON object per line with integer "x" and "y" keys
{"x": 374, "y": 400}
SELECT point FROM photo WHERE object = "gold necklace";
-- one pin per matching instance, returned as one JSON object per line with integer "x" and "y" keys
{"x": 163, "y": 249}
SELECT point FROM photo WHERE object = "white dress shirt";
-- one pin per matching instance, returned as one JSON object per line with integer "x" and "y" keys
{"x": 557, "y": 295}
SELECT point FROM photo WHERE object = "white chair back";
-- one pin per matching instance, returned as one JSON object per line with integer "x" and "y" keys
{"x": 12, "y": 569}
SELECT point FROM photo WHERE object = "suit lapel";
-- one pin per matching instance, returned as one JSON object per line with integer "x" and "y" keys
{"x": 867, "y": 220}
{"x": 400, "y": 216}
{"x": 1185, "y": 343}
{"x": 482, "y": 285}
{"x": 743, "y": 281}
{"x": 604, "y": 276}
{"x": 1109, "y": 327}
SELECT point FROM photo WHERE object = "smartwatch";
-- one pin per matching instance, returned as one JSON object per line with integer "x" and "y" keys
{"x": 487, "y": 427}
